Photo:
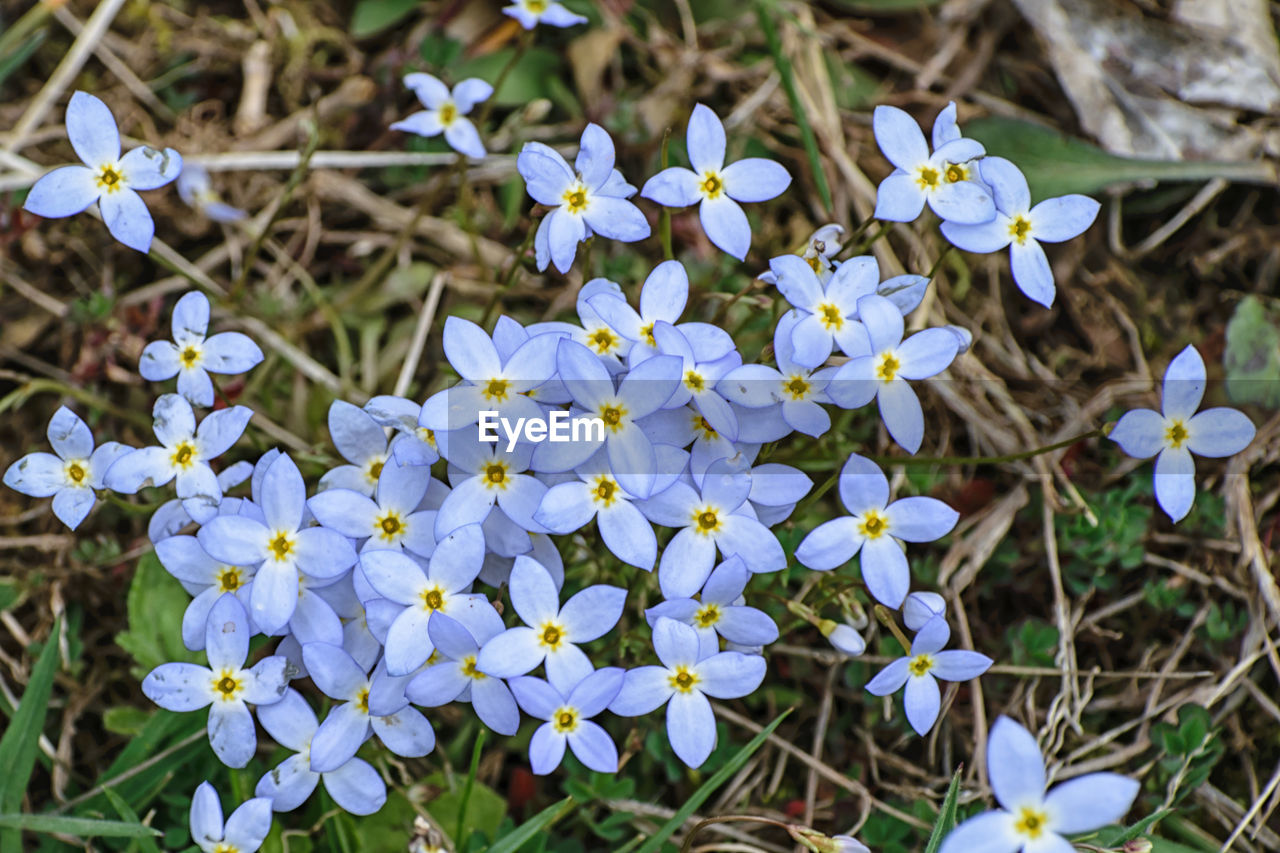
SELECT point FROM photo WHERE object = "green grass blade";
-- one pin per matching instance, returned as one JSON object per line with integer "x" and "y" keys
{"x": 540, "y": 821}
{"x": 709, "y": 787}
{"x": 797, "y": 109}
{"x": 21, "y": 739}
{"x": 81, "y": 827}
{"x": 946, "y": 817}
{"x": 128, "y": 815}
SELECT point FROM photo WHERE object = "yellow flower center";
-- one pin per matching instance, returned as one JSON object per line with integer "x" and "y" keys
{"x": 797, "y": 387}
{"x": 873, "y": 524}
{"x": 229, "y": 579}
{"x": 281, "y": 546}
{"x": 683, "y": 680}
{"x": 605, "y": 491}
{"x": 1176, "y": 434}
{"x": 551, "y": 636}
{"x": 537, "y": 7}
{"x": 469, "y": 668}
{"x": 226, "y": 687}
{"x": 189, "y": 356}
{"x": 612, "y": 417}
{"x": 432, "y": 599}
{"x": 707, "y": 615}
{"x": 362, "y": 699}
{"x": 830, "y": 316}
{"x": 1031, "y": 822}
{"x": 224, "y": 847}
{"x": 700, "y": 425}
{"x": 495, "y": 475}
{"x": 389, "y": 526}
{"x": 576, "y": 198}
{"x": 110, "y": 178}
{"x": 603, "y": 340}
{"x": 711, "y": 186}
{"x": 184, "y": 455}
{"x": 818, "y": 264}
{"x": 448, "y": 113}
{"x": 957, "y": 172}
{"x": 374, "y": 471}
{"x": 427, "y": 435}
{"x": 565, "y": 720}
{"x": 497, "y": 389}
{"x": 927, "y": 178}
{"x": 75, "y": 471}
{"x": 1019, "y": 229}
{"x": 888, "y": 367}
{"x": 920, "y": 665}
{"x": 694, "y": 381}
{"x": 647, "y": 332}
{"x": 707, "y": 521}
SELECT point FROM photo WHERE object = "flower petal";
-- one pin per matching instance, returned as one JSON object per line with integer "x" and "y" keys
{"x": 1031, "y": 272}
{"x": 706, "y": 141}
{"x": 1183, "y": 385}
{"x": 617, "y": 219}
{"x": 891, "y": 678}
{"x": 1175, "y": 481}
{"x": 595, "y": 156}
{"x": 92, "y": 130}
{"x": 1057, "y": 219}
{"x": 920, "y": 519}
{"x": 726, "y": 225}
{"x": 1219, "y": 432}
{"x": 901, "y": 412}
{"x": 728, "y": 675}
{"x": 691, "y": 727}
{"x": 922, "y": 699}
{"x": 231, "y": 733}
{"x": 65, "y": 191}
{"x": 989, "y": 832}
{"x": 1140, "y": 433}
{"x": 755, "y": 179}
{"x": 960, "y": 665}
{"x": 546, "y": 749}
{"x": 1014, "y": 765}
{"x": 674, "y": 186}
{"x": 147, "y": 168}
{"x": 128, "y": 219}
{"x": 899, "y": 138}
{"x": 899, "y": 198}
{"x": 1090, "y": 802}
{"x": 463, "y": 137}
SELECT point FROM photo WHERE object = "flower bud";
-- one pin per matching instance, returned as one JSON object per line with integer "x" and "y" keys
{"x": 920, "y": 607}
{"x": 1137, "y": 845}
{"x": 843, "y": 637}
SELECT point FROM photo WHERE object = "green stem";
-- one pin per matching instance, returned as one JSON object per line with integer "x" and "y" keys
{"x": 510, "y": 278}
{"x": 883, "y": 617}
{"x": 938, "y": 263}
{"x": 31, "y": 19}
{"x": 702, "y": 824}
{"x": 664, "y": 219}
{"x": 864, "y": 246}
{"x": 526, "y": 39}
{"x": 458, "y": 840}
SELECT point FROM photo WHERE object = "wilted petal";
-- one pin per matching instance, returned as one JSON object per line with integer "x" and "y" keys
{"x": 148, "y": 168}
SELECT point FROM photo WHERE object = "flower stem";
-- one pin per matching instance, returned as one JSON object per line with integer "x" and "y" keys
{"x": 702, "y": 824}
{"x": 466, "y": 788}
{"x": 938, "y": 263}
{"x": 509, "y": 279}
{"x": 526, "y": 39}
{"x": 885, "y": 619}
{"x": 1100, "y": 432}
{"x": 664, "y": 218}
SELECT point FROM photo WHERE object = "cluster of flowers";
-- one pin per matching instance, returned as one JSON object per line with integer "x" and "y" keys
{"x": 370, "y": 583}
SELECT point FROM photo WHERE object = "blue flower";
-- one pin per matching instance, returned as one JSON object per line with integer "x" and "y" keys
{"x": 392, "y": 521}
{"x": 355, "y": 786}
{"x": 718, "y": 611}
{"x": 412, "y": 445}
{"x": 224, "y": 684}
{"x": 1029, "y": 818}
{"x": 184, "y": 455}
{"x": 944, "y": 178}
{"x": 920, "y": 671}
{"x": 243, "y": 832}
{"x": 452, "y": 674}
{"x": 362, "y": 704}
{"x": 662, "y": 298}
{"x": 445, "y": 111}
{"x": 715, "y": 187}
{"x": 530, "y": 13}
{"x": 169, "y": 518}
{"x": 192, "y": 357}
{"x": 418, "y": 592}
{"x": 645, "y": 389}
{"x": 683, "y": 682}
{"x": 568, "y": 713}
{"x": 205, "y": 578}
{"x": 1022, "y": 227}
{"x": 484, "y": 474}
{"x": 714, "y": 520}
{"x": 105, "y": 177}
{"x": 883, "y": 373}
{"x": 195, "y": 188}
{"x": 550, "y": 632}
{"x": 921, "y": 607}
{"x": 817, "y": 253}
{"x": 72, "y": 475}
{"x": 877, "y": 528}
{"x": 1176, "y": 432}
{"x": 285, "y": 552}
{"x": 566, "y": 507}
{"x": 359, "y": 438}
{"x": 592, "y": 200}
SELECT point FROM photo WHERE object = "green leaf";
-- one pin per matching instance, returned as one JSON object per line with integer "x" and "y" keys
{"x": 125, "y": 719}
{"x": 372, "y": 16}
{"x": 1252, "y": 357}
{"x": 485, "y": 807}
{"x": 533, "y": 826}
{"x": 156, "y": 604}
{"x": 947, "y": 817}
{"x": 1056, "y": 165}
{"x": 709, "y": 787}
{"x": 129, "y": 817}
{"x": 82, "y": 827}
{"x": 1119, "y": 835}
{"x": 21, "y": 739}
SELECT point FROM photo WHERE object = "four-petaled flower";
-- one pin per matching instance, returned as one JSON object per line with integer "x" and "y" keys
{"x": 192, "y": 357}
{"x": 589, "y": 198}
{"x": 944, "y": 178}
{"x": 716, "y": 188}
{"x": 921, "y": 669}
{"x": 105, "y": 177}
{"x": 72, "y": 475}
{"x": 243, "y": 832}
{"x": 567, "y": 713}
{"x": 1030, "y": 819}
{"x": 446, "y": 111}
{"x": 1177, "y": 431}
{"x": 1022, "y": 227}
{"x": 224, "y": 685}
{"x": 530, "y": 13}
